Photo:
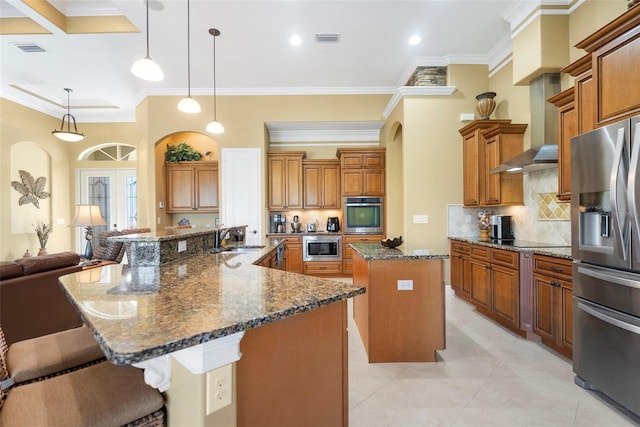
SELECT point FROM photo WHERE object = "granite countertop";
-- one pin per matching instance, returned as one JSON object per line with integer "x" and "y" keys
{"x": 549, "y": 249}
{"x": 164, "y": 235}
{"x": 138, "y": 313}
{"x": 375, "y": 251}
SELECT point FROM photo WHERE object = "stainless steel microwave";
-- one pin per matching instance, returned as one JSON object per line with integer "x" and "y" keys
{"x": 363, "y": 215}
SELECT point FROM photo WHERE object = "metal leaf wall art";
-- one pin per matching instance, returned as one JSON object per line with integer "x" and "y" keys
{"x": 32, "y": 190}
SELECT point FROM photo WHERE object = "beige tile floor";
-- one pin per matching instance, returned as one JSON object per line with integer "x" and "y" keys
{"x": 487, "y": 376}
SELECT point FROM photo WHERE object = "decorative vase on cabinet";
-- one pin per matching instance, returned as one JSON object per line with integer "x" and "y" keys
{"x": 486, "y": 104}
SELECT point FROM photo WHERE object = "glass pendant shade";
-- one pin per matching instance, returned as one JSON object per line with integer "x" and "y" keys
{"x": 67, "y": 134}
{"x": 189, "y": 105}
{"x": 146, "y": 69}
{"x": 215, "y": 127}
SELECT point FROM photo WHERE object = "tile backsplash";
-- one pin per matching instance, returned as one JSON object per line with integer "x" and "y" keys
{"x": 541, "y": 219}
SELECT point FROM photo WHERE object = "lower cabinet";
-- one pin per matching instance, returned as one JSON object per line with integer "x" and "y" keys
{"x": 347, "y": 252}
{"x": 494, "y": 284}
{"x": 460, "y": 269}
{"x": 315, "y": 268}
{"x": 552, "y": 303}
{"x": 293, "y": 255}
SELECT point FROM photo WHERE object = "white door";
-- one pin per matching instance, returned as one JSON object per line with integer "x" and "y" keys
{"x": 240, "y": 191}
{"x": 115, "y": 191}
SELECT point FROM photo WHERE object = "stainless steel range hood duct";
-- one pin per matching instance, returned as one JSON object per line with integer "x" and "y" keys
{"x": 543, "y": 153}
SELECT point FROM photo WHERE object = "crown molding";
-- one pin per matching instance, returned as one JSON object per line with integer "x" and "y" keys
{"x": 416, "y": 91}
{"x": 304, "y": 132}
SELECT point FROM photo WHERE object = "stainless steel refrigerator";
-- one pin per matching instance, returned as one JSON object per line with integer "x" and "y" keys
{"x": 605, "y": 226}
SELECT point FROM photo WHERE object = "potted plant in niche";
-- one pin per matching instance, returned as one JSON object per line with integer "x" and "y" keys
{"x": 182, "y": 152}
{"x": 43, "y": 230}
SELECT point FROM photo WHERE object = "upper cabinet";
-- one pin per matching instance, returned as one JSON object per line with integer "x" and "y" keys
{"x": 487, "y": 144}
{"x": 321, "y": 184}
{"x": 607, "y": 87}
{"x": 285, "y": 180}
{"x": 362, "y": 171}
{"x": 192, "y": 187}
{"x": 567, "y": 129}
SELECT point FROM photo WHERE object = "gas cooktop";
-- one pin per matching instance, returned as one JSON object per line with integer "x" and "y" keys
{"x": 525, "y": 244}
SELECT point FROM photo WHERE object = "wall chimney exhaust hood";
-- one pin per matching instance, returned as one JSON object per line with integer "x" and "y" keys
{"x": 543, "y": 153}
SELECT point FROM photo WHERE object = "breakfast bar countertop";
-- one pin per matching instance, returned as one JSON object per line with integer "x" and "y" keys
{"x": 139, "y": 313}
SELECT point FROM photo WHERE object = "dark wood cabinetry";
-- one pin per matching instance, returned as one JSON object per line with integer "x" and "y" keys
{"x": 486, "y": 144}
{"x": 192, "y": 187}
{"x": 552, "y": 303}
{"x": 321, "y": 184}
{"x": 363, "y": 171}
{"x": 285, "y": 180}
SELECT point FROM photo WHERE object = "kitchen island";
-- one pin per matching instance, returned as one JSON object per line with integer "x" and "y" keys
{"x": 401, "y": 318}
{"x": 283, "y": 335}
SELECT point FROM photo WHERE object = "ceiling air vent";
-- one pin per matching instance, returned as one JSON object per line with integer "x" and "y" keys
{"x": 327, "y": 38}
{"x": 29, "y": 47}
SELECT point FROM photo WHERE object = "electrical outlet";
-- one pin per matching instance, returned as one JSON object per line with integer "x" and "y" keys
{"x": 161, "y": 205}
{"x": 219, "y": 388}
{"x": 467, "y": 219}
{"x": 405, "y": 285}
{"x": 421, "y": 219}
{"x": 182, "y": 245}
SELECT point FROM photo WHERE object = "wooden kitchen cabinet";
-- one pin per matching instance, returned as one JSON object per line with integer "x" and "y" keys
{"x": 285, "y": 180}
{"x": 460, "y": 269}
{"x": 552, "y": 303}
{"x": 347, "y": 252}
{"x": 567, "y": 129}
{"x": 495, "y": 284}
{"x": 362, "y": 171}
{"x": 192, "y": 187}
{"x": 321, "y": 268}
{"x": 293, "y": 255}
{"x": 486, "y": 144}
{"x": 321, "y": 184}
{"x": 584, "y": 94}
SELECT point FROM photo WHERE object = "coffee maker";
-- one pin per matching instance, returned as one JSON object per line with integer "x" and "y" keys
{"x": 501, "y": 227}
{"x": 333, "y": 224}
{"x": 278, "y": 223}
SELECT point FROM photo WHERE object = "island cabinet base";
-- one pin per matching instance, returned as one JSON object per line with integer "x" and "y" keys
{"x": 294, "y": 372}
{"x": 395, "y": 325}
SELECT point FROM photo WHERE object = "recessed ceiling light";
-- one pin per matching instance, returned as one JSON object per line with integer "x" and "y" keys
{"x": 295, "y": 40}
{"x": 414, "y": 40}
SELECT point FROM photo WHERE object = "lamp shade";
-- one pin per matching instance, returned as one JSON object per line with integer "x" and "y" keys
{"x": 215, "y": 127}
{"x": 88, "y": 216}
{"x": 189, "y": 105}
{"x": 148, "y": 70}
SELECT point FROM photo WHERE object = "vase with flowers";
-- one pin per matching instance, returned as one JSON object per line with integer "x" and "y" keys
{"x": 43, "y": 230}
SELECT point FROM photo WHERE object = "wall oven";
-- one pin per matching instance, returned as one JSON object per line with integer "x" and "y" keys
{"x": 363, "y": 215}
{"x": 322, "y": 248}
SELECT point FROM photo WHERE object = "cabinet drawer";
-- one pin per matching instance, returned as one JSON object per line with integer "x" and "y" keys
{"x": 333, "y": 267}
{"x": 481, "y": 252}
{"x": 461, "y": 248}
{"x": 505, "y": 258}
{"x": 550, "y": 266}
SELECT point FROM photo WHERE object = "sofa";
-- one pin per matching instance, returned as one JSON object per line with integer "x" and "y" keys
{"x": 32, "y": 302}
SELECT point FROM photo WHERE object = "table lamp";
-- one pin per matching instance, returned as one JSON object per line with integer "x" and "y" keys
{"x": 88, "y": 216}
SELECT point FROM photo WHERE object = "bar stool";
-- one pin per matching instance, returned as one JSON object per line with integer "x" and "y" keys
{"x": 98, "y": 395}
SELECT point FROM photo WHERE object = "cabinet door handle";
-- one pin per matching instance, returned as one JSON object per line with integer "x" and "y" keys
{"x": 558, "y": 269}
{"x": 323, "y": 268}
{"x": 555, "y": 284}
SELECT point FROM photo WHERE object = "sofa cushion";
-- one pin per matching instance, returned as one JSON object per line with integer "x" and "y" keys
{"x": 9, "y": 270}
{"x": 42, "y": 263}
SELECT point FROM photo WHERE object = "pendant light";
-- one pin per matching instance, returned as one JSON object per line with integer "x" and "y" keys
{"x": 188, "y": 104}
{"x": 215, "y": 126}
{"x": 145, "y": 68}
{"x": 68, "y": 135}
